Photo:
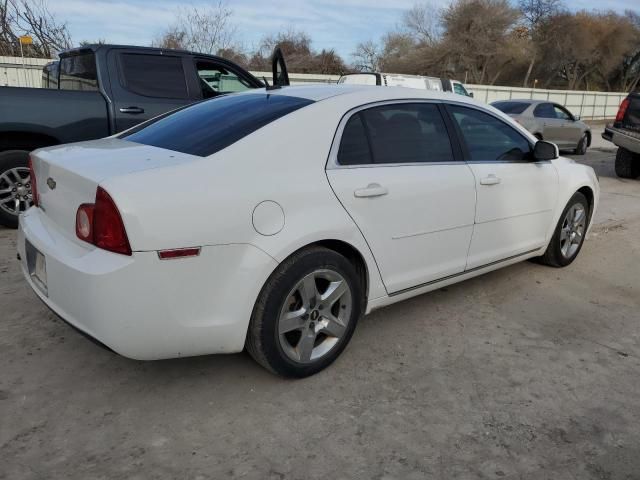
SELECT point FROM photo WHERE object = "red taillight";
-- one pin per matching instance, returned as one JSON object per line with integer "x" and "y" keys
{"x": 34, "y": 185}
{"x": 622, "y": 110}
{"x": 100, "y": 223}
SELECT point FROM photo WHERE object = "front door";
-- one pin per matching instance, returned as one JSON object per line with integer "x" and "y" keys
{"x": 396, "y": 174}
{"x": 516, "y": 196}
{"x": 571, "y": 131}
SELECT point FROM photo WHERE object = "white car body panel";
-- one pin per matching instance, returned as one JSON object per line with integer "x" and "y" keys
{"x": 417, "y": 236}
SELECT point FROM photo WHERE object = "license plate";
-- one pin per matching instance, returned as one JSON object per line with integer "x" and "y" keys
{"x": 37, "y": 266}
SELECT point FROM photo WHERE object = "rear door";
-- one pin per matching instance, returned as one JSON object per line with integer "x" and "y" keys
{"x": 145, "y": 84}
{"x": 515, "y": 195}
{"x": 395, "y": 170}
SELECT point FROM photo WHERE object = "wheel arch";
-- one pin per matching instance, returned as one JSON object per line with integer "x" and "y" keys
{"x": 21, "y": 140}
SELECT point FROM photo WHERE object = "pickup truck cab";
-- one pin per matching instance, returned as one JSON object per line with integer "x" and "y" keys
{"x": 403, "y": 80}
{"x": 625, "y": 134}
{"x": 97, "y": 91}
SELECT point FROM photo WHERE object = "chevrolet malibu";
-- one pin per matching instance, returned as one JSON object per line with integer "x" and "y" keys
{"x": 274, "y": 219}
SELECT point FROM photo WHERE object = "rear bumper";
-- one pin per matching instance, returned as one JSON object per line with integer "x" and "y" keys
{"x": 143, "y": 307}
{"x": 626, "y": 139}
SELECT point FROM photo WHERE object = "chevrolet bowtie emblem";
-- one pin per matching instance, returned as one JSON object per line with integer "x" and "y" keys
{"x": 52, "y": 183}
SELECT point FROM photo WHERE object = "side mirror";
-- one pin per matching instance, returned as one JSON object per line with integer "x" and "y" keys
{"x": 471, "y": 94}
{"x": 545, "y": 151}
{"x": 576, "y": 118}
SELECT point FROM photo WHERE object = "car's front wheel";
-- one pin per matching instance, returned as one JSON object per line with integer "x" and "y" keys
{"x": 569, "y": 234}
{"x": 306, "y": 313}
{"x": 581, "y": 149}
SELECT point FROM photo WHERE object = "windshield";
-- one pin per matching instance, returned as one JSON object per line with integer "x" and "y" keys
{"x": 207, "y": 127}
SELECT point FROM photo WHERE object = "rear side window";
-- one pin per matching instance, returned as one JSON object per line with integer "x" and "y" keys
{"x": 544, "y": 110}
{"x": 207, "y": 127}
{"x": 401, "y": 133}
{"x": 78, "y": 72}
{"x": 489, "y": 139}
{"x": 511, "y": 107}
{"x": 159, "y": 76}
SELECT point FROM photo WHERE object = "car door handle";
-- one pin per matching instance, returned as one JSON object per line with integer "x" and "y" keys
{"x": 134, "y": 110}
{"x": 372, "y": 190}
{"x": 490, "y": 180}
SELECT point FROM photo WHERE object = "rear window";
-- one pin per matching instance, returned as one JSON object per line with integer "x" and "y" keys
{"x": 160, "y": 76}
{"x": 78, "y": 72}
{"x": 207, "y": 127}
{"x": 511, "y": 107}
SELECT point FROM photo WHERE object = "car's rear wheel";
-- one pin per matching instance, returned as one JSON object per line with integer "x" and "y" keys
{"x": 581, "y": 149}
{"x": 15, "y": 186}
{"x": 568, "y": 237}
{"x": 306, "y": 313}
{"x": 627, "y": 163}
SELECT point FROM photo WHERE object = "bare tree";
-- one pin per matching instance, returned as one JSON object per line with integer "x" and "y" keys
{"x": 201, "y": 29}
{"x": 366, "y": 57}
{"x": 423, "y": 22}
{"x": 33, "y": 18}
{"x": 535, "y": 13}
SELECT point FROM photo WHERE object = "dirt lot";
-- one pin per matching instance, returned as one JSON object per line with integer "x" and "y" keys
{"x": 528, "y": 372}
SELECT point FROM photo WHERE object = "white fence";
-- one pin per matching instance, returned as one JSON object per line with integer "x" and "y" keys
{"x": 13, "y": 73}
{"x": 589, "y": 105}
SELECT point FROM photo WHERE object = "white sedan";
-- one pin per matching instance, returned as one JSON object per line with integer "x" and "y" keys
{"x": 273, "y": 220}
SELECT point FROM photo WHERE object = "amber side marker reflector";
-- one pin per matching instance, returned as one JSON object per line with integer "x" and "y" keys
{"x": 178, "y": 253}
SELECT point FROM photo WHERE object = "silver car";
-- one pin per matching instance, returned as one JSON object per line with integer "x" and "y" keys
{"x": 549, "y": 121}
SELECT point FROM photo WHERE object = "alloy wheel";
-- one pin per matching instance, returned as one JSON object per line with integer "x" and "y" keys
{"x": 315, "y": 316}
{"x": 15, "y": 190}
{"x": 572, "y": 230}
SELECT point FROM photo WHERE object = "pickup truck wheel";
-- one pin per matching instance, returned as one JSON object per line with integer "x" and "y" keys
{"x": 15, "y": 186}
{"x": 581, "y": 149}
{"x": 627, "y": 163}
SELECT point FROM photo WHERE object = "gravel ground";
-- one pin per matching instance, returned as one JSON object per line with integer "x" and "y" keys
{"x": 528, "y": 372}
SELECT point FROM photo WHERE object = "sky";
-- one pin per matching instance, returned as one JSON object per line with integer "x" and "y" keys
{"x": 332, "y": 24}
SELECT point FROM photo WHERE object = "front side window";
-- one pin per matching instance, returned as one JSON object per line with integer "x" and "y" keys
{"x": 544, "y": 110}
{"x": 561, "y": 113}
{"x": 216, "y": 79}
{"x": 489, "y": 139}
{"x": 205, "y": 128}
{"x": 460, "y": 90}
{"x": 160, "y": 76}
{"x": 401, "y": 133}
{"x": 78, "y": 72}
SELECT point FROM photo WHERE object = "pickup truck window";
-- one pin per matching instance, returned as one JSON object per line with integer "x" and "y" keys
{"x": 160, "y": 76}
{"x": 207, "y": 127}
{"x": 78, "y": 72}
{"x": 216, "y": 79}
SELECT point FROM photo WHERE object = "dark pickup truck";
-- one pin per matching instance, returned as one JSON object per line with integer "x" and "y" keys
{"x": 97, "y": 91}
{"x": 625, "y": 133}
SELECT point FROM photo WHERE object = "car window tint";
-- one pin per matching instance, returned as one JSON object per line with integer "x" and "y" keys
{"x": 216, "y": 78}
{"x": 354, "y": 146}
{"x": 459, "y": 89}
{"x": 407, "y": 133}
{"x": 561, "y": 113}
{"x": 207, "y": 127}
{"x": 544, "y": 110}
{"x": 160, "y": 76}
{"x": 488, "y": 139}
{"x": 513, "y": 108}
{"x": 78, "y": 72}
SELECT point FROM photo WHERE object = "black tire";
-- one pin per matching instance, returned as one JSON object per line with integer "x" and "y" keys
{"x": 263, "y": 339}
{"x": 9, "y": 160}
{"x": 553, "y": 256}
{"x": 627, "y": 163}
{"x": 581, "y": 149}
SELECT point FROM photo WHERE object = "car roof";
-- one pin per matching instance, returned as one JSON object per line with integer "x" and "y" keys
{"x": 530, "y": 101}
{"x": 362, "y": 93}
